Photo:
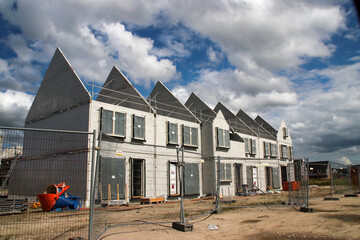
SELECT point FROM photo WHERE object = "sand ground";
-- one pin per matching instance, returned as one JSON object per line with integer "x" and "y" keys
{"x": 331, "y": 220}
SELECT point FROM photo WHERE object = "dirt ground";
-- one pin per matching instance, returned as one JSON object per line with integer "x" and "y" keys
{"x": 331, "y": 220}
{"x": 246, "y": 218}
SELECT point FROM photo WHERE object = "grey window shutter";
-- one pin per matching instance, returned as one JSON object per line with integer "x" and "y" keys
{"x": 246, "y": 140}
{"x": 138, "y": 128}
{"x": 227, "y": 138}
{"x": 253, "y": 146}
{"x": 107, "y": 122}
{"x": 186, "y": 135}
{"x": 172, "y": 133}
{"x": 220, "y": 137}
{"x": 222, "y": 171}
{"x": 228, "y": 171}
{"x": 249, "y": 177}
{"x": 265, "y": 149}
{"x": 194, "y": 136}
{"x": 119, "y": 124}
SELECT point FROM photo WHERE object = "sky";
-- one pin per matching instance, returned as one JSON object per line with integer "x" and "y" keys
{"x": 297, "y": 61}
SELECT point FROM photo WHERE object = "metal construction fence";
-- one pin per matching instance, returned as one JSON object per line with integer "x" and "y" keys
{"x": 59, "y": 184}
{"x": 45, "y": 183}
{"x": 157, "y": 185}
{"x": 332, "y": 180}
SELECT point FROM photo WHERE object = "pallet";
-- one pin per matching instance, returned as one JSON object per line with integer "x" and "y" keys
{"x": 145, "y": 200}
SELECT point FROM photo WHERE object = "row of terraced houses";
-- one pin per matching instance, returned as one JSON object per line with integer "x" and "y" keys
{"x": 140, "y": 137}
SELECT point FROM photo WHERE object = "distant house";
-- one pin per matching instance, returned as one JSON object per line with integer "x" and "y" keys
{"x": 147, "y": 132}
{"x": 320, "y": 170}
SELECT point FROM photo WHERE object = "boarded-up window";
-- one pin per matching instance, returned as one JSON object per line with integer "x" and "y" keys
{"x": 190, "y": 136}
{"x": 107, "y": 122}
{"x": 225, "y": 171}
{"x": 250, "y": 146}
{"x": 112, "y": 178}
{"x": 284, "y": 151}
{"x": 223, "y": 138}
{"x": 113, "y": 123}
{"x": 119, "y": 124}
{"x": 192, "y": 185}
{"x": 276, "y": 178}
{"x": 273, "y": 149}
{"x": 172, "y": 133}
{"x": 138, "y": 127}
{"x": 285, "y": 132}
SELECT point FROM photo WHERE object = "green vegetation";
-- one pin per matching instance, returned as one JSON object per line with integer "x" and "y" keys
{"x": 326, "y": 182}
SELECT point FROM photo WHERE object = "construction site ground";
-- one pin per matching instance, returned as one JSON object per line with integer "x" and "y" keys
{"x": 252, "y": 217}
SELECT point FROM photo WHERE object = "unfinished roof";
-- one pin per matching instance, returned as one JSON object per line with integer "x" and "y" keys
{"x": 118, "y": 90}
{"x": 166, "y": 104}
{"x": 60, "y": 90}
{"x": 234, "y": 122}
{"x": 260, "y": 131}
{"x": 266, "y": 125}
{"x": 199, "y": 108}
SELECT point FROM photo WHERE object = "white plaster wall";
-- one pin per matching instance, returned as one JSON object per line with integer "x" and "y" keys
{"x": 156, "y": 158}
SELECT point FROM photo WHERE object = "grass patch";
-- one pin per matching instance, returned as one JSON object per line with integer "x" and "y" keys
{"x": 326, "y": 182}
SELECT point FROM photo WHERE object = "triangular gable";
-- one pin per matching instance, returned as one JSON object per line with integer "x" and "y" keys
{"x": 260, "y": 131}
{"x": 234, "y": 122}
{"x": 266, "y": 125}
{"x": 280, "y": 134}
{"x": 118, "y": 90}
{"x": 166, "y": 104}
{"x": 199, "y": 108}
{"x": 60, "y": 89}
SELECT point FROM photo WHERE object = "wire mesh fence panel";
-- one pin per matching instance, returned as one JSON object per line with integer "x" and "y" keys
{"x": 297, "y": 184}
{"x": 44, "y": 183}
{"x": 134, "y": 188}
{"x": 245, "y": 182}
{"x": 331, "y": 180}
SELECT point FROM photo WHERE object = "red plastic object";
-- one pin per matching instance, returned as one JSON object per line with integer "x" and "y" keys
{"x": 47, "y": 201}
{"x": 295, "y": 185}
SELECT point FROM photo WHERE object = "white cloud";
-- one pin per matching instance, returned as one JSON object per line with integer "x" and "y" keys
{"x": 344, "y": 160}
{"x": 49, "y": 25}
{"x": 265, "y": 34}
{"x": 212, "y": 55}
{"x": 237, "y": 89}
{"x": 14, "y": 106}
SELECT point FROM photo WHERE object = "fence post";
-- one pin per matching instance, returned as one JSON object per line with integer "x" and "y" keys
{"x": 92, "y": 187}
{"x": 289, "y": 183}
{"x": 307, "y": 168}
{"x": 331, "y": 186}
{"x": 182, "y": 225}
{"x": 182, "y": 213}
{"x": 217, "y": 205}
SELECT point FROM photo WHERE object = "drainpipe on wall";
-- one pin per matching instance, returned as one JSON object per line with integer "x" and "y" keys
{"x": 155, "y": 155}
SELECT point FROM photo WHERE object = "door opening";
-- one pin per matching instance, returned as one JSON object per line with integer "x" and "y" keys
{"x": 238, "y": 177}
{"x": 283, "y": 174}
{"x": 137, "y": 178}
{"x": 269, "y": 178}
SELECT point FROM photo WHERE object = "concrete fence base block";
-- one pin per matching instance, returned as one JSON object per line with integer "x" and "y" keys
{"x": 331, "y": 198}
{"x": 351, "y": 195}
{"x": 308, "y": 210}
{"x": 185, "y": 227}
